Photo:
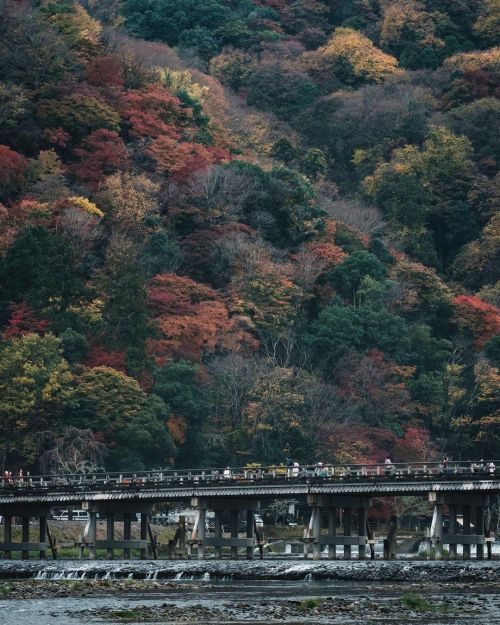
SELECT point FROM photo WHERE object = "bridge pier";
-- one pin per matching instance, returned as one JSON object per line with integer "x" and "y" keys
{"x": 110, "y": 509}
{"x": 110, "y": 533}
{"x": 7, "y": 533}
{"x": 43, "y": 537}
{"x": 218, "y": 534}
{"x": 26, "y": 513}
{"x": 234, "y": 508}
{"x": 469, "y": 502}
{"x": 144, "y": 535}
{"x": 332, "y": 531}
{"x": 332, "y": 539}
{"x": 452, "y": 530}
{"x": 480, "y": 530}
{"x": 250, "y": 533}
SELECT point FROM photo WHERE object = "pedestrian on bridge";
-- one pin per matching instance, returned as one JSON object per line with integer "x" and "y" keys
{"x": 388, "y": 466}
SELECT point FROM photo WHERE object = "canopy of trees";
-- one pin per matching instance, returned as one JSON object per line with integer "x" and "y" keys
{"x": 271, "y": 231}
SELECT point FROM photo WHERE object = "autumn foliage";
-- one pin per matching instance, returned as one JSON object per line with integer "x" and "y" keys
{"x": 476, "y": 317}
{"x": 250, "y": 231}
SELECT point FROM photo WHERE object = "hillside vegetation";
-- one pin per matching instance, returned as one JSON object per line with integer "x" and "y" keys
{"x": 242, "y": 231}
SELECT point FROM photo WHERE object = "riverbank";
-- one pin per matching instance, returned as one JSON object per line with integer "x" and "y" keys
{"x": 257, "y": 603}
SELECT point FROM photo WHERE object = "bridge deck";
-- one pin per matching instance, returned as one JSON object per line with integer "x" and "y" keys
{"x": 54, "y": 492}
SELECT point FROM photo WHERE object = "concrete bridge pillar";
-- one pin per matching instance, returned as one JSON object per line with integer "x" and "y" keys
{"x": 218, "y": 534}
{"x": 92, "y": 534}
{"x": 452, "y": 529}
{"x": 110, "y": 509}
{"x": 437, "y": 531}
{"x": 466, "y": 512}
{"x": 468, "y": 502}
{"x": 235, "y": 519}
{"x": 144, "y": 535}
{"x": 362, "y": 532}
{"x": 110, "y": 533}
{"x": 234, "y": 508}
{"x": 346, "y": 504}
{"x": 202, "y": 520}
{"x": 25, "y": 536}
{"x": 7, "y": 532}
{"x": 250, "y": 533}
{"x": 26, "y": 512}
{"x": 480, "y": 530}
{"x": 316, "y": 532}
{"x": 43, "y": 537}
{"x": 347, "y": 532}
{"x": 332, "y": 531}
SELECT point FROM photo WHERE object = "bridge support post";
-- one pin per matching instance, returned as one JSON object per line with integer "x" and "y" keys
{"x": 332, "y": 503}
{"x": 110, "y": 509}
{"x": 235, "y": 508}
{"x": 316, "y": 532}
{"x": 218, "y": 533}
{"x": 43, "y": 536}
{"x": 110, "y": 533}
{"x": 452, "y": 530}
{"x": 332, "y": 532}
{"x": 362, "y": 532}
{"x": 92, "y": 535}
{"x": 347, "y": 532}
{"x": 235, "y": 517}
{"x": 25, "y": 536}
{"x": 127, "y": 533}
{"x": 480, "y": 530}
{"x": 466, "y": 511}
{"x": 250, "y": 533}
{"x": 437, "y": 533}
{"x": 468, "y": 501}
{"x": 202, "y": 520}
{"x": 144, "y": 534}
{"x": 7, "y": 534}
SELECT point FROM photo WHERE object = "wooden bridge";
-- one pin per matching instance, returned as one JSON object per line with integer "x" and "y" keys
{"x": 330, "y": 490}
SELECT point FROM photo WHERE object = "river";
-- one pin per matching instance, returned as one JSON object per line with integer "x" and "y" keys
{"x": 263, "y": 593}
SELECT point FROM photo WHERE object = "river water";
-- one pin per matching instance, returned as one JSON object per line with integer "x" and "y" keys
{"x": 354, "y": 593}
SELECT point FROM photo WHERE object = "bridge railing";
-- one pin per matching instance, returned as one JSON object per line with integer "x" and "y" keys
{"x": 257, "y": 473}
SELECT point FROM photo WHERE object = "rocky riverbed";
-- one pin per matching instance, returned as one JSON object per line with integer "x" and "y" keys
{"x": 256, "y": 593}
{"x": 410, "y": 607}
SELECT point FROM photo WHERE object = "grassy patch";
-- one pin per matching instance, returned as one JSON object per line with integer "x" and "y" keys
{"x": 416, "y": 602}
{"x": 5, "y": 590}
{"x": 125, "y": 615}
{"x": 310, "y": 604}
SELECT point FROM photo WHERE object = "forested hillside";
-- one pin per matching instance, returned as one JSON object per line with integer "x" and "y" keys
{"x": 241, "y": 231}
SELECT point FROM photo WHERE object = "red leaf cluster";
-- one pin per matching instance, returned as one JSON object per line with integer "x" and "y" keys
{"x": 100, "y": 154}
{"x": 482, "y": 320}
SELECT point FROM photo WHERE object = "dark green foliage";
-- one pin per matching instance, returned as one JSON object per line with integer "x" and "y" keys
{"x": 339, "y": 329}
{"x": 167, "y": 20}
{"x": 178, "y": 384}
{"x": 347, "y": 277}
{"x": 314, "y": 163}
{"x": 286, "y": 93}
{"x": 161, "y": 254}
{"x": 31, "y": 52}
{"x": 480, "y": 122}
{"x": 75, "y": 345}
{"x": 284, "y": 150}
{"x": 492, "y": 350}
{"x": 40, "y": 269}
{"x": 200, "y": 41}
{"x": 125, "y": 312}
